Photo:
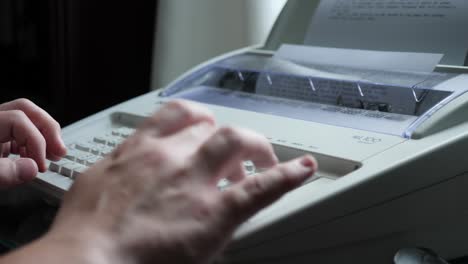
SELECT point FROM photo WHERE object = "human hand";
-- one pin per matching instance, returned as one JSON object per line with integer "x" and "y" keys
{"x": 27, "y": 130}
{"x": 155, "y": 199}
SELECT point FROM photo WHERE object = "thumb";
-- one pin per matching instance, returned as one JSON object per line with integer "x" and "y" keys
{"x": 16, "y": 171}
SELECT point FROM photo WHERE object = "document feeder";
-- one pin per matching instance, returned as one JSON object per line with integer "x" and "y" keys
{"x": 381, "y": 101}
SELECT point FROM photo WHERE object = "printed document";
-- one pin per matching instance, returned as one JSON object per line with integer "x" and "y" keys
{"x": 393, "y": 25}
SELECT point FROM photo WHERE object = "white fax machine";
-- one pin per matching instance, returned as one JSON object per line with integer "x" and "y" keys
{"x": 391, "y": 145}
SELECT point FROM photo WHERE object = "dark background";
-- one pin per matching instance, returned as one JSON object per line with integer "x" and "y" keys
{"x": 72, "y": 58}
{"x": 75, "y": 57}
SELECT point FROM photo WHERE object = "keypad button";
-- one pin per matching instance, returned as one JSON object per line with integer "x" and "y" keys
{"x": 249, "y": 167}
{"x": 106, "y": 151}
{"x": 223, "y": 184}
{"x": 72, "y": 154}
{"x": 56, "y": 166}
{"x": 112, "y": 142}
{"x": 91, "y": 161}
{"x": 100, "y": 140}
{"x": 82, "y": 159}
{"x": 125, "y": 131}
{"x": 67, "y": 169}
{"x": 77, "y": 171}
{"x": 85, "y": 153}
{"x": 84, "y": 146}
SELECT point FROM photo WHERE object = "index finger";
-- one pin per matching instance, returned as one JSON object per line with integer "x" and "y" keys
{"x": 48, "y": 127}
{"x": 175, "y": 116}
{"x": 17, "y": 126}
{"x": 247, "y": 197}
{"x": 228, "y": 147}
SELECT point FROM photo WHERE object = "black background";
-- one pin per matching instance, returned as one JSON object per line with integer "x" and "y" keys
{"x": 75, "y": 57}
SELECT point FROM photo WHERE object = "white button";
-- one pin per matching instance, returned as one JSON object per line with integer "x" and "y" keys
{"x": 249, "y": 167}
{"x": 223, "y": 184}
{"x": 106, "y": 151}
{"x": 95, "y": 151}
{"x": 82, "y": 159}
{"x": 55, "y": 166}
{"x": 72, "y": 154}
{"x": 67, "y": 169}
{"x": 100, "y": 140}
{"x": 113, "y": 141}
{"x": 92, "y": 160}
{"x": 77, "y": 171}
{"x": 94, "y": 147}
{"x": 84, "y": 146}
{"x": 125, "y": 131}
{"x": 116, "y": 132}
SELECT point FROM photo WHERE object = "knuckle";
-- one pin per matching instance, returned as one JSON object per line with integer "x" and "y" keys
{"x": 23, "y": 102}
{"x": 56, "y": 125}
{"x": 136, "y": 141}
{"x": 206, "y": 153}
{"x": 255, "y": 186}
{"x": 18, "y": 119}
{"x": 182, "y": 108}
{"x": 181, "y": 104}
{"x": 17, "y": 115}
{"x": 154, "y": 156}
{"x": 124, "y": 145}
{"x": 234, "y": 199}
{"x": 286, "y": 177}
{"x": 150, "y": 121}
{"x": 232, "y": 136}
{"x": 119, "y": 150}
{"x": 260, "y": 141}
{"x": 175, "y": 104}
{"x": 264, "y": 141}
{"x": 170, "y": 109}
{"x": 181, "y": 171}
{"x": 42, "y": 143}
{"x": 206, "y": 206}
{"x": 51, "y": 127}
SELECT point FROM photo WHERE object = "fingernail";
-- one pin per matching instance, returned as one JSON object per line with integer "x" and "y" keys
{"x": 27, "y": 169}
{"x": 53, "y": 157}
{"x": 62, "y": 146}
{"x": 307, "y": 162}
{"x": 202, "y": 128}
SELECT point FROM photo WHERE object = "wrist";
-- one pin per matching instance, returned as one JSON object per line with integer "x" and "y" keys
{"x": 62, "y": 248}
{"x": 80, "y": 245}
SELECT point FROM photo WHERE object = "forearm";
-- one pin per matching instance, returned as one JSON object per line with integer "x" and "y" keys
{"x": 50, "y": 249}
{"x": 155, "y": 199}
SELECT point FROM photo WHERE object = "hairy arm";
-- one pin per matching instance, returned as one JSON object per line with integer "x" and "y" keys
{"x": 155, "y": 199}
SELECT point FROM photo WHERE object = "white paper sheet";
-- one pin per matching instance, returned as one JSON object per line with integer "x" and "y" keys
{"x": 361, "y": 59}
{"x": 399, "y": 25}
